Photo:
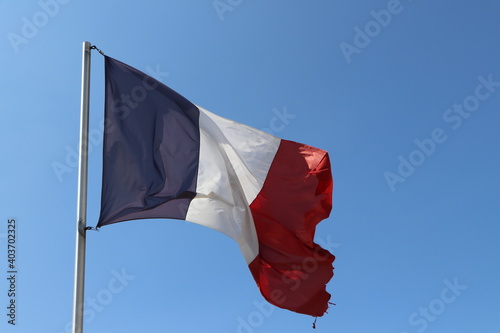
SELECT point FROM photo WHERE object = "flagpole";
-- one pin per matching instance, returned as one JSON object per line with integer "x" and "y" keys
{"x": 81, "y": 219}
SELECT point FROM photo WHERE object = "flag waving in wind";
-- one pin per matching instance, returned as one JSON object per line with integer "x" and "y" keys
{"x": 165, "y": 157}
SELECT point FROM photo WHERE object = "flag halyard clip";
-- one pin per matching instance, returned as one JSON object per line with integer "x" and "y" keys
{"x": 93, "y": 47}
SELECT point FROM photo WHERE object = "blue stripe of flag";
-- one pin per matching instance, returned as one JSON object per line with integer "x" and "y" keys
{"x": 151, "y": 148}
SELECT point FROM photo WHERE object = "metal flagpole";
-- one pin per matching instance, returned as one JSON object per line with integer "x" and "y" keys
{"x": 81, "y": 215}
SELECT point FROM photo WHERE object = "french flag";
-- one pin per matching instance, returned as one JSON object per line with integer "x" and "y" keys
{"x": 165, "y": 157}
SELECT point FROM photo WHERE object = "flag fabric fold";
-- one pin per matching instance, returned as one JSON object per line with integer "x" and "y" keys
{"x": 164, "y": 157}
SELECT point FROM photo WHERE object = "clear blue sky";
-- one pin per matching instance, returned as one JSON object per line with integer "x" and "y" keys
{"x": 404, "y": 95}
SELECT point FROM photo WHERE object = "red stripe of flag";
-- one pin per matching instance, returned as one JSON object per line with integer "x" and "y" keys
{"x": 291, "y": 270}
